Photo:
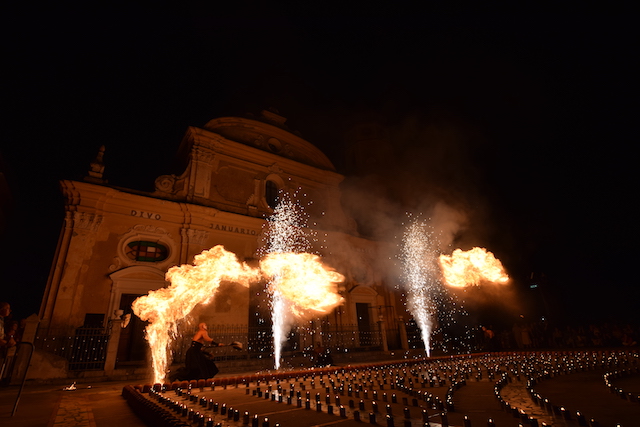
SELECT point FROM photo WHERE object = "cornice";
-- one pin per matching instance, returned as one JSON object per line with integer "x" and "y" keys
{"x": 291, "y": 143}
{"x": 251, "y": 156}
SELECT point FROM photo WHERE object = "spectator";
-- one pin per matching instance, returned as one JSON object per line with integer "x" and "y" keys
{"x": 595, "y": 335}
{"x": 321, "y": 355}
{"x": 12, "y": 331}
{"x": 517, "y": 335}
{"x": 526, "y": 336}
{"x": 556, "y": 338}
{"x": 5, "y": 340}
{"x": 489, "y": 336}
{"x": 628, "y": 339}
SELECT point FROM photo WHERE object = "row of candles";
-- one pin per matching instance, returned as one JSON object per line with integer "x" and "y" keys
{"x": 406, "y": 378}
{"x": 216, "y": 409}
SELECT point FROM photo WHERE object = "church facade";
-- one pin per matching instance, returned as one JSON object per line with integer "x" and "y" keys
{"x": 117, "y": 244}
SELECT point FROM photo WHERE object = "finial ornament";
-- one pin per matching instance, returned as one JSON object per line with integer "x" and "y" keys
{"x": 96, "y": 168}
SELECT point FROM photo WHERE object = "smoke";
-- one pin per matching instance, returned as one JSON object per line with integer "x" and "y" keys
{"x": 491, "y": 304}
{"x": 422, "y": 165}
{"x": 300, "y": 286}
{"x": 449, "y": 222}
{"x": 427, "y": 165}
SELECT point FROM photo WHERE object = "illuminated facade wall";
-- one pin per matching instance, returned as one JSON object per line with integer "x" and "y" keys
{"x": 116, "y": 244}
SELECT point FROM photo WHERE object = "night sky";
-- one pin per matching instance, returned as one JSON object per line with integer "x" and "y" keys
{"x": 521, "y": 121}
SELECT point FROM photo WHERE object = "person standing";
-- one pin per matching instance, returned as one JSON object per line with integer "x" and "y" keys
{"x": 198, "y": 363}
{"x": 488, "y": 338}
{"x": 5, "y": 340}
{"x": 322, "y": 357}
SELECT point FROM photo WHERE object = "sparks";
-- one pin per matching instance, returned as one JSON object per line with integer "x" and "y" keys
{"x": 419, "y": 258}
{"x": 299, "y": 285}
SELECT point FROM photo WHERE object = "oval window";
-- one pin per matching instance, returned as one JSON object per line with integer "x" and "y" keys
{"x": 146, "y": 251}
{"x": 274, "y": 145}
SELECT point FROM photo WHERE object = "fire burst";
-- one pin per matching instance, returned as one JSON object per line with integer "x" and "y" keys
{"x": 419, "y": 257}
{"x": 190, "y": 286}
{"x": 466, "y": 268}
{"x": 300, "y": 286}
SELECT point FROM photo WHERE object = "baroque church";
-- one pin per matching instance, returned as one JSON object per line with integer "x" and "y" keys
{"x": 116, "y": 244}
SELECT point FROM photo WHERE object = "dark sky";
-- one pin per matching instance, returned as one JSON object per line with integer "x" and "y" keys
{"x": 525, "y": 118}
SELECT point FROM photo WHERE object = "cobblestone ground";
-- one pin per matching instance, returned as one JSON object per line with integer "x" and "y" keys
{"x": 587, "y": 393}
{"x": 304, "y": 403}
{"x": 490, "y": 390}
{"x": 393, "y": 395}
{"x": 516, "y": 394}
{"x": 74, "y": 411}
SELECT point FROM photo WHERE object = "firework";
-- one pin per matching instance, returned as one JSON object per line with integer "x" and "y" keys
{"x": 421, "y": 273}
{"x": 299, "y": 284}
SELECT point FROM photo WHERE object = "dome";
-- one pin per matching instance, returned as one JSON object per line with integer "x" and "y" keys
{"x": 268, "y": 133}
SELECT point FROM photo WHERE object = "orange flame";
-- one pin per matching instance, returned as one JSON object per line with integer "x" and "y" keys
{"x": 309, "y": 287}
{"x": 466, "y": 268}
{"x": 306, "y": 284}
{"x": 190, "y": 286}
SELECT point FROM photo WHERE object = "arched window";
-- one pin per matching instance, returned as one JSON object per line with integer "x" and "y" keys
{"x": 145, "y": 251}
{"x": 271, "y": 194}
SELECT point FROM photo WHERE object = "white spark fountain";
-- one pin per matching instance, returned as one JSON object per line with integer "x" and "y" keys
{"x": 285, "y": 233}
{"x": 420, "y": 251}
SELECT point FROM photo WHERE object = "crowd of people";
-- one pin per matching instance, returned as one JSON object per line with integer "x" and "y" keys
{"x": 521, "y": 336}
{"x": 544, "y": 335}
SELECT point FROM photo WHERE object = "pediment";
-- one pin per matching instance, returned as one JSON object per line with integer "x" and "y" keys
{"x": 270, "y": 138}
{"x": 363, "y": 291}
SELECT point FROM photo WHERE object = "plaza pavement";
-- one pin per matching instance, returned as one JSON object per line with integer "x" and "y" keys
{"x": 101, "y": 404}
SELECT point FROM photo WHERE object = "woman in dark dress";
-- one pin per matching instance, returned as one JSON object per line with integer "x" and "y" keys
{"x": 198, "y": 363}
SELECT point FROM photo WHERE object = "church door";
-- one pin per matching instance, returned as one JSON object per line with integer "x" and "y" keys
{"x": 132, "y": 346}
{"x": 364, "y": 323}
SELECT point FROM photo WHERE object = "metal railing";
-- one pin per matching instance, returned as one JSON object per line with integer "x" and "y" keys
{"x": 414, "y": 336}
{"x": 349, "y": 337}
{"x": 225, "y": 334}
{"x": 85, "y": 347}
{"x": 258, "y": 341}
